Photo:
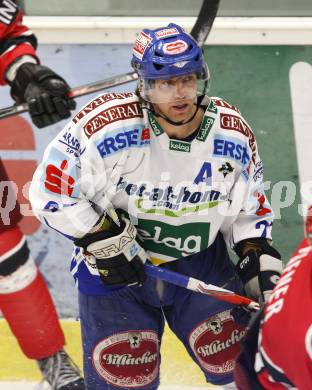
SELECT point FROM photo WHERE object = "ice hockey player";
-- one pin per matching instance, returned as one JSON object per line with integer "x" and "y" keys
{"x": 184, "y": 168}
{"x": 24, "y": 297}
{"x": 277, "y": 352}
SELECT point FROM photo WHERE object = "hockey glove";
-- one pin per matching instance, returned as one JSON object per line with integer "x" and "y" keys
{"x": 119, "y": 257}
{"x": 44, "y": 91}
{"x": 241, "y": 315}
{"x": 259, "y": 267}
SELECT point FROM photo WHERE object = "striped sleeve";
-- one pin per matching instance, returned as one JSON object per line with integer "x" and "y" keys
{"x": 16, "y": 40}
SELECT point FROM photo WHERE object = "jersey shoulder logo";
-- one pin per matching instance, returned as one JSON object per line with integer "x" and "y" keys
{"x": 98, "y": 101}
{"x": 222, "y": 103}
{"x": 236, "y": 123}
{"x": 112, "y": 114}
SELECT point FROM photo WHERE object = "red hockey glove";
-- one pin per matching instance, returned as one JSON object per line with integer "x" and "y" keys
{"x": 259, "y": 267}
{"x": 44, "y": 91}
{"x": 119, "y": 258}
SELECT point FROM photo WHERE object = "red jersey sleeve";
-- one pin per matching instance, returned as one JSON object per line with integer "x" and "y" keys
{"x": 286, "y": 334}
{"x": 16, "y": 40}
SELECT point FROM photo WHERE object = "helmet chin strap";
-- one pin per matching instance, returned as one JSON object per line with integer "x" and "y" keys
{"x": 151, "y": 109}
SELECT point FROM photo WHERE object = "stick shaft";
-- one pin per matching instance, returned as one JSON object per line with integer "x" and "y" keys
{"x": 103, "y": 84}
{"x": 198, "y": 286}
{"x": 77, "y": 92}
{"x": 204, "y": 21}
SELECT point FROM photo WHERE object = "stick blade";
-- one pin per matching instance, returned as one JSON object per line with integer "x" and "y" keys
{"x": 230, "y": 297}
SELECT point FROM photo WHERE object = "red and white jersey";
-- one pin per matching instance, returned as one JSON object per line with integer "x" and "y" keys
{"x": 16, "y": 40}
{"x": 284, "y": 360}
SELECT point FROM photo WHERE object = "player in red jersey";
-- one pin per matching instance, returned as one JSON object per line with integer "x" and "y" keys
{"x": 278, "y": 347}
{"x": 24, "y": 297}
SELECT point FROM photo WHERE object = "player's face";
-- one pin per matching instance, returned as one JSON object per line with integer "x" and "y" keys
{"x": 175, "y": 97}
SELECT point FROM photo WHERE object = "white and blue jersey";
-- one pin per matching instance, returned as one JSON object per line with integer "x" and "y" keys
{"x": 179, "y": 194}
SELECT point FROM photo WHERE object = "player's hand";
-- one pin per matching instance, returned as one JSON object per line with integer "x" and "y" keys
{"x": 44, "y": 91}
{"x": 119, "y": 257}
{"x": 259, "y": 267}
{"x": 242, "y": 315}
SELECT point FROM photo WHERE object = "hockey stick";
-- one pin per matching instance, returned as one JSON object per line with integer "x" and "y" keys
{"x": 204, "y": 22}
{"x": 200, "y": 32}
{"x": 200, "y": 286}
{"x": 77, "y": 92}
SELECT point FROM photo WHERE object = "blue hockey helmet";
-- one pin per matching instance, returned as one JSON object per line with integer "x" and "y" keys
{"x": 166, "y": 52}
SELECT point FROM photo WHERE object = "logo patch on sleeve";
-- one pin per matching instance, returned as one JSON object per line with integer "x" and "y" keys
{"x": 128, "y": 359}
